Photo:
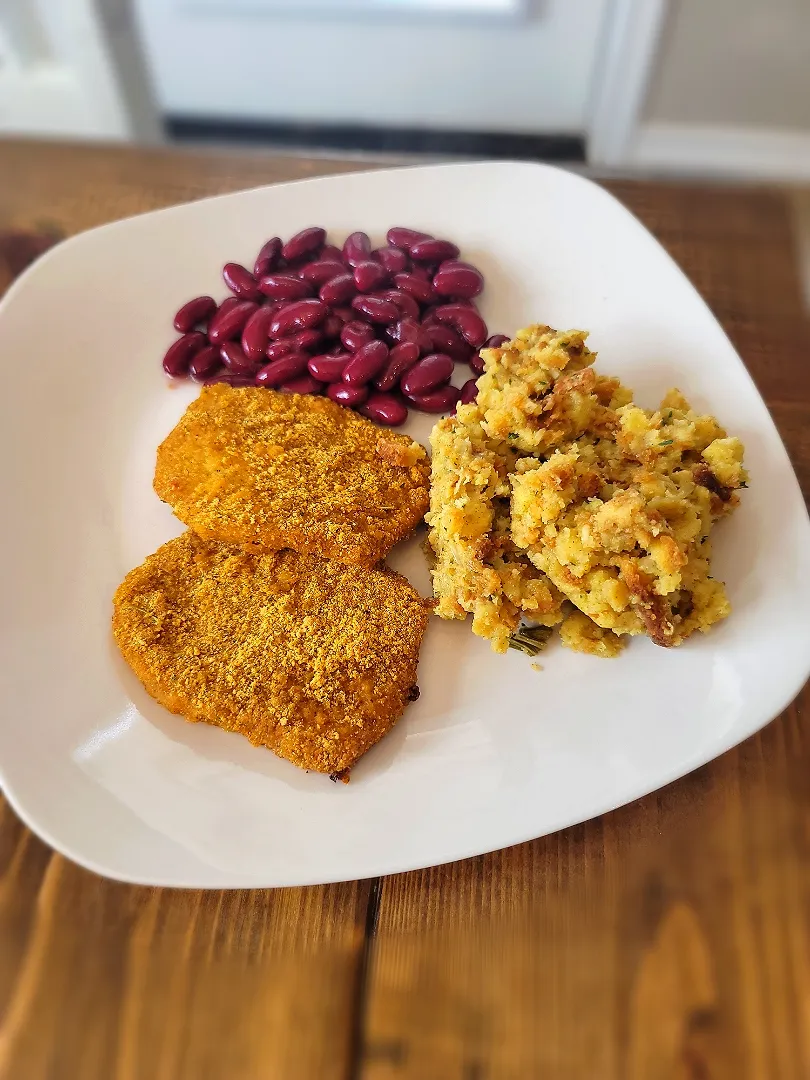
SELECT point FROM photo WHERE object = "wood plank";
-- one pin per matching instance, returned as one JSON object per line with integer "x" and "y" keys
{"x": 671, "y": 938}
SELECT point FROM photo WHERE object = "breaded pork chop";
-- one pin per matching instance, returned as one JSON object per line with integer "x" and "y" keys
{"x": 271, "y": 471}
{"x": 313, "y": 659}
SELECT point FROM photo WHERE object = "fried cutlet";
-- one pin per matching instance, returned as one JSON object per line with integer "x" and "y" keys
{"x": 612, "y": 503}
{"x": 271, "y": 470}
{"x": 313, "y": 659}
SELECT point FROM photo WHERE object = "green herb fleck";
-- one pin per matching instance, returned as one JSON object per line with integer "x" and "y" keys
{"x": 512, "y": 435}
{"x": 530, "y": 640}
{"x": 667, "y": 442}
{"x": 744, "y": 483}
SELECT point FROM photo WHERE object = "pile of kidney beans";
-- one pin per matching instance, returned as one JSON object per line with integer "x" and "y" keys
{"x": 376, "y": 330}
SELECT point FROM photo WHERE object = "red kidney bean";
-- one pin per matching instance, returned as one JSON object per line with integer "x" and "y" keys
{"x": 229, "y": 323}
{"x": 240, "y": 281}
{"x": 350, "y": 396}
{"x": 476, "y": 363}
{"x": 302, "y": 315}
{"x": 235, "y": 360}
{"x": 268, "y": 258}
{"x": 355, "y": 335}
{"x": 429, "y": 251}
{"x": 443, "y": 339}
{"x": 421, "y": 272}
{"x": 194, "y": 312}
{"x": 345, "y": 314}
{"x": 304, "y": 341}
{"x": 226, "y": 305}
{"x": 405, "y": 238}
{"x": 368, "y": 275}
{"x": 330, "y": 253}
{"x": 230, "y": 378}
{"x": 328, "y": 368}
{"x": 375, "y": 310}
{"x": 318, "y": 273}
{"x": 281, "y": 371}
{"x": 356, "y": 249}
{"x": 469, "y": 392}
{"x": 464, "y": 319}
{"x": 366, "y": 363}
{"x": 431, "y": 371}
{"x": 285, "y": 287}
{"x": 179, "y": 353}
{"x": 255, "y": 333}
{"x": 409, "y": 330}
{"x": 458, "y": 279}
{"x": 331, "y": 326}
{"x": 303, "y": 243}
{"x": 338, "y": 290}
{"x": 204, "y": 363}
{"x": 443, "y": 399}
{"x": 392, "y": 259}
{"x": 304, "y": 384}
{"x": 495, "y": 341}
{"x": 385, "y": 409}
{"x": 400, "y": 359}
{"x": 406, "y": 304}
{"x": 414, "y": 286}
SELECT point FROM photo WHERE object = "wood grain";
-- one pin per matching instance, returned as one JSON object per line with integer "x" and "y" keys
{"x": 669, "y": 940}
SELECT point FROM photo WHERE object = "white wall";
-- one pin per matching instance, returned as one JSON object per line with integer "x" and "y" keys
{"x": 532, "y": 76}
{"x": 734, "y": 62}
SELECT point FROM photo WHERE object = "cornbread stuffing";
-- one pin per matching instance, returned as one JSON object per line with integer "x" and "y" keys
{"x": 271, "y": 470}
{"x": 553, "y": 489}
{"x": 313, "y": 659}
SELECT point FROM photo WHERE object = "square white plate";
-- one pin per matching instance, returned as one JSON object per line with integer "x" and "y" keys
{"x": 493, "y": 752}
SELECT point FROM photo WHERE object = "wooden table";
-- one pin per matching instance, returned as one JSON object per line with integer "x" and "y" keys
{"x": 669, "y": 940}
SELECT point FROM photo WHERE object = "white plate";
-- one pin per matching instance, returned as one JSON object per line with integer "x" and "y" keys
{"x": 493, "y": 752}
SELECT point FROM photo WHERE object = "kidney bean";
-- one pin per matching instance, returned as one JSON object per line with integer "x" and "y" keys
{"x": 421, "y": 272}
{"x": 350, "y": 396}
{"x": 443, "y": 339}
{"x": 256, "y": 331}
{"x": 204, "y": 363}
{"x": 235, "y": 360}
{"x": 406, "y": 304}
{"x": 304, "y": 384}
{"x": 281, "y": 371}
{"x": 179, "y": 353}
{"x": 431, "y": 371}
{"x": 465, "y": 320}
{"x": 327, "y": 367}
{"x": 229, "y": 323}
{"x": 268, "y": 258}
{"x": 400, "y": 359}
{"x": 331, "y": 326}
{"x": 429, "y": 251}
{"x": 338, "y": 290}
{"x": 356, "y": 249}
{"x": 366, "y": 363}
{"x": 458, "y": 279}
{"x": 231, "y": 378}
{"x": 375, "y": 310}
{"x": 194, "y": 312}
{"x": 469, "y": 392}
{"x": 442, "y": 399}
{"x": 302, "y": 315}
{"x": 496, "y": 341}
{"x": 392, "y": 259}
{"x": 240, "y": 281}
{"x": 409, "y": 330}
{"x": 368, "y": 275}
{"x": 405, "y": 238}
{"x": 385, "y": 409}
{"x": 476, "y": 363}
{"x": 285, "y": 287}
{"x": 345, "y": 314}
{"x": 355, "y": 335}
{"x": 304, "y": 243}
{"x": 303, "y": 341}
{"x": 330, "y": 253}
{"x": 318, "y": 273}
{"x": 226, "y": 305}
{"x": 414, "y": 286}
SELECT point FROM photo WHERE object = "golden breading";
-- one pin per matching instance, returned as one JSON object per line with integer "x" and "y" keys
{"x": 313, "y": 659}
{"x": 614, "y": 504}
{"x": 273, "y": 471}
